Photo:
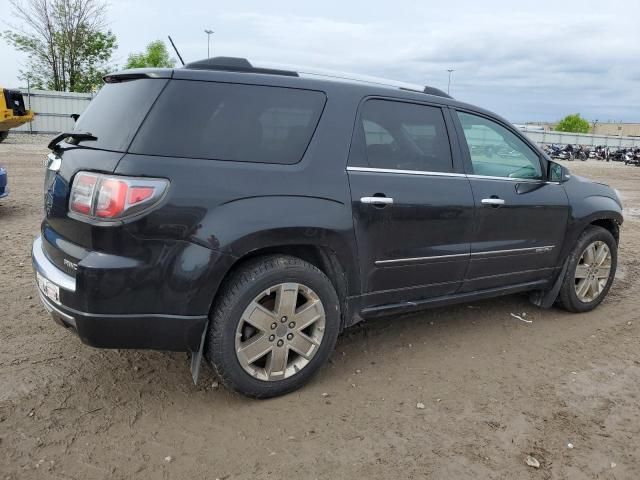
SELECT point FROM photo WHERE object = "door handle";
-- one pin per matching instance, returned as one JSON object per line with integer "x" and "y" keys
{"x": 377, "y": 200}
{"x": 494, "y": 202}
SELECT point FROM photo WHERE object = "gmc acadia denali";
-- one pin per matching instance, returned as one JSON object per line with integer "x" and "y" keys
{"x": 248, "y": 215}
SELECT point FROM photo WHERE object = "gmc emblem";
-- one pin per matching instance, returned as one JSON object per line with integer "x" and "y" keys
{"x": 70, "y": 264}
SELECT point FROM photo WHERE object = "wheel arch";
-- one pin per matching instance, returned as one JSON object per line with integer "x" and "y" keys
{"x": 317, "y": 230}
{"x": 323, "y": 257}
{"x": 609, "y": 224}
{"x": 593, "y": 210}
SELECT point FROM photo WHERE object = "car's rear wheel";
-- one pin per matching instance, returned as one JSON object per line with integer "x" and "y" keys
{"x": 591, "y": 270}
{"x": 273, "y": 325}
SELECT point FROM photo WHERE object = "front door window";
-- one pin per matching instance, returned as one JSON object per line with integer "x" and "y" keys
{"x": 497, "y": 152}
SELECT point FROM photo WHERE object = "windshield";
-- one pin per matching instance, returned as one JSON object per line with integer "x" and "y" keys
{"x": 115, "y": 114}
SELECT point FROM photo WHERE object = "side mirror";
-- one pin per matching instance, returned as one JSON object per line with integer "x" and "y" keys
{"x": 558, "y": 173}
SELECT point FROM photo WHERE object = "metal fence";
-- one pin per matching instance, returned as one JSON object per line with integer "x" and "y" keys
{"x": 563, "y": 138}
{"x": 52, "y": 110}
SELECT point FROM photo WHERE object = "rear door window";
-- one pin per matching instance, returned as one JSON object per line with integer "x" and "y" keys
{"x": 221, "y": 121}
{"x": 115, "y": 114}
{"x": 405, "y": 136}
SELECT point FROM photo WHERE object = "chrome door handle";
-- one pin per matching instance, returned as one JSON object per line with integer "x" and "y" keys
{"x": 493, "y": 201}
{"x": 377, "y": 200}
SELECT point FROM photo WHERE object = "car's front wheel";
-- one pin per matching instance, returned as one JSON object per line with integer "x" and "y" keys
{"x": 273, "y": 325}
{"x": 591, "y": 270}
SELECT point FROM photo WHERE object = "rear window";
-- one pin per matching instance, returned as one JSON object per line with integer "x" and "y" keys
{"x": 115, "y": 114}
{"x": 405, "y": 136}
{"x": 220, "y": 121}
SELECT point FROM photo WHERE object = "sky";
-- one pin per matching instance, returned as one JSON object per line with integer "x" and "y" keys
{"x": 527, "y": 61}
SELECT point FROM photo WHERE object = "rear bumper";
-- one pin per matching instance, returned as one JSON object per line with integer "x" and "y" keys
{"x": 152, "y": 331}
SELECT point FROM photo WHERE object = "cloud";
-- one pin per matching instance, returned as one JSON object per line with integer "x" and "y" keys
{"x": 538, "y": 60}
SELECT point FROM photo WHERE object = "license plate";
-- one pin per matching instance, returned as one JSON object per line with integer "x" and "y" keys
{"x": 48, "y": 288}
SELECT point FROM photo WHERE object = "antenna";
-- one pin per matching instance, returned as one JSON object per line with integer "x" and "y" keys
{"x": 177, "y": 52}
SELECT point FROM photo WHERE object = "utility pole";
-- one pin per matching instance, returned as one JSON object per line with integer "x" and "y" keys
{"x": 208, "y": 32}
{"x": 29, "y": 101}
{"x": 450, "y": 70}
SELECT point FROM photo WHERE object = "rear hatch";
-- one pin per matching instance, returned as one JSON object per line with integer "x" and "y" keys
{"x": 195, "y": 134}
{"x": 112, "y": 120}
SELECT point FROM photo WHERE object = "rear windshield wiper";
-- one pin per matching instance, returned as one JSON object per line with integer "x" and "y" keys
{"x": 77, "y": 136}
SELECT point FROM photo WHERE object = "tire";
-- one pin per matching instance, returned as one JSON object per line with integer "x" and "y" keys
{"x": 265, "y": 280}
{"x": 3, "y": 136}
{"x": 568, "y": 297}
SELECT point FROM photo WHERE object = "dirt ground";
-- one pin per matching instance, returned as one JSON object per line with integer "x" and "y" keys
{"x": 564, "y": 388}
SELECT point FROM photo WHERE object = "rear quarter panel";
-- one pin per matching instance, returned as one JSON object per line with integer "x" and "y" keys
{"x": 235, "y": 208}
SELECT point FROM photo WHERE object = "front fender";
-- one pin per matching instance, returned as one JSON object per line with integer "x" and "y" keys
{"x": 596, "y": 207}
{"x": 587, "y": 211}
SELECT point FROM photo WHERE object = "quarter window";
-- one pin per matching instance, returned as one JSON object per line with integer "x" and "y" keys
{"x": 223, "y": 121}
{"x": 405, "y": 136}
{"x": 497, "y": 152}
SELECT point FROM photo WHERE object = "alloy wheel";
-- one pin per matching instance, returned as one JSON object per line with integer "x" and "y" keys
{"x": 593, "y": 271}
{"x": 280, "y": 331}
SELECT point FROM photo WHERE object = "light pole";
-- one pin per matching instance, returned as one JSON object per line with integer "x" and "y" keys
{"x": 208, "y": 32}
{"x": 450, "y": 70}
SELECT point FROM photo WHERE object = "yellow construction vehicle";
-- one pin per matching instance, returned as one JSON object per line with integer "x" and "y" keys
{"x": 12, "y": 111}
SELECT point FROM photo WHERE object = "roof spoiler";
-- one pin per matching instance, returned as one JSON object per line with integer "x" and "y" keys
{"x": 135, "y": 74}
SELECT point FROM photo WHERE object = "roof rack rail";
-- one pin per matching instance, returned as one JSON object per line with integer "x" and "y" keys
{"x": 435, "y": 91}
{"x": 332, "y": 75}
{"x": 238, "y": 64}
{"x": 235, "y": 64}
{"x": 429, "y": 91}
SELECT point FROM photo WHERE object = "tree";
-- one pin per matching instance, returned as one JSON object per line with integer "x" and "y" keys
{"x": 156, "y": 55}
{"x": 66, "y": 41}
{"x": 573, "y": 123}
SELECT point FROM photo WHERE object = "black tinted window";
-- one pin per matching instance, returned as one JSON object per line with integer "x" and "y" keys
{"x": 117, "y": 111}
{"x": 405, "y": 136}
{"x": 221, "y": 121}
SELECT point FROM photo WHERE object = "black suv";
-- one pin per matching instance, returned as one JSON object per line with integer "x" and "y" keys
{"x": 250, "y": 214}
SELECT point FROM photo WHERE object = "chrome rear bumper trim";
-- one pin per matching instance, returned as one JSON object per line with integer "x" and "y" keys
{"x": 57, "y": 314}
{"x": 43, "y": 265}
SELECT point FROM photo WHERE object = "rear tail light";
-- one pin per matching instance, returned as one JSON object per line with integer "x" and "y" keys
{"x": 112, "y": 197}
{"x": 82, "y": 193}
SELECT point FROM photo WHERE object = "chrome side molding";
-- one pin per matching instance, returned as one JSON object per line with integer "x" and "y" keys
{"x": 543, "y": 249}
